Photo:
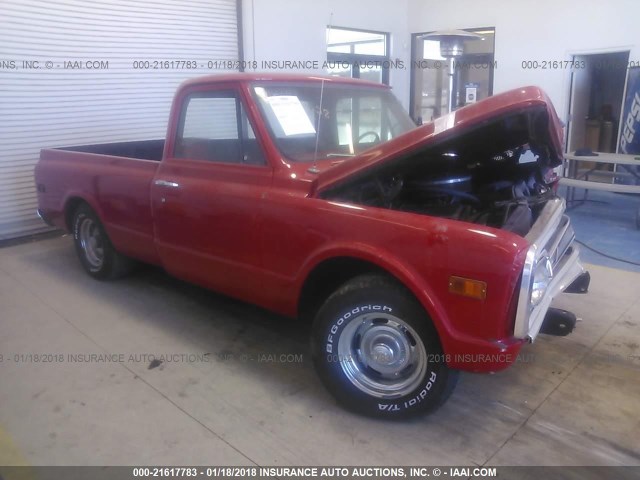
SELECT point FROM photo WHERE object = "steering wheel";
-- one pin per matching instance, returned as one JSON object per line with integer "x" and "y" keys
{"x": 376, "y": 137}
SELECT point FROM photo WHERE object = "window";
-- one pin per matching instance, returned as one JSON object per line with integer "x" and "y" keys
{"x": 358, "y": 54}
{"x": 364, "y": 115}
{"x": 312, "y": 120}
{"x": 472, "y": 78}
{"x": 214, "y": 127}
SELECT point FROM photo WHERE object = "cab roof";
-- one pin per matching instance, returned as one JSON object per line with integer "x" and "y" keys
{"x": 276, "y": 77}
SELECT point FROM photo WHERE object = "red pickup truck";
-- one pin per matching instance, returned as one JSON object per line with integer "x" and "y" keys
{"x": 417, "y": 252}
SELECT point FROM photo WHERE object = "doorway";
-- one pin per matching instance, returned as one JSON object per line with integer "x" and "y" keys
{"x": 595, "y": 101}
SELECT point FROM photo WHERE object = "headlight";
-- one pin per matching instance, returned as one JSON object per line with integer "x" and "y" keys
{"x": 542, "y": 275}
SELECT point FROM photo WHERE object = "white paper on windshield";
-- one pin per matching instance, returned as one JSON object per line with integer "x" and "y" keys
{"x": 291, "y": 115}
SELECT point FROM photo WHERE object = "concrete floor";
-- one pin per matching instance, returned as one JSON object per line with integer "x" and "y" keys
{"x": 607, "y": 222}
{"x": 574, "y": 401}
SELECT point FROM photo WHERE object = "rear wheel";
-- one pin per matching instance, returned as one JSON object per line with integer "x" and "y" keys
{"x": 378, "y": 353}
{"x": 95, "y": 251}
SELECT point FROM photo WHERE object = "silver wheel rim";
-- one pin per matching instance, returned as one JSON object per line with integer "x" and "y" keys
{"x": 91, "y": 242}
{"x": 382, "y": 355}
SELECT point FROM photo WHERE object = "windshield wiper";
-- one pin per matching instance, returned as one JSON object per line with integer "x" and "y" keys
{"x": 333, "y": 155}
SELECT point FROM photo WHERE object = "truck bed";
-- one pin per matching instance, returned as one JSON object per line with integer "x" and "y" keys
{"x": 114, "y": 179}
{"x": 141, "y": 149}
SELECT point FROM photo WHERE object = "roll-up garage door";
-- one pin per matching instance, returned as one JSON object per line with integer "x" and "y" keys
{"x": 74, "y": 72}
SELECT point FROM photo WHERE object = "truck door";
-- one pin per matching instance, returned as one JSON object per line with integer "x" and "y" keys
{"x": 207, "y": 194}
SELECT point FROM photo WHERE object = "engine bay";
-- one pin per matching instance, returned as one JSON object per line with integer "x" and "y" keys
{"x": 499, "y": 175}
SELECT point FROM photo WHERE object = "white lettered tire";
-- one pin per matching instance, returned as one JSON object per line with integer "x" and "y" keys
{"x": 376, "y": 350}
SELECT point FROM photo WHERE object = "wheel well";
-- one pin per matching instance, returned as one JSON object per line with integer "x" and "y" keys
{"x": 70, "y": 208}
{"x": 326, "y": 278}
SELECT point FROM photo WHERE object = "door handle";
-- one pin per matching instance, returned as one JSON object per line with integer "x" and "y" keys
{"x": 166, "y": 183}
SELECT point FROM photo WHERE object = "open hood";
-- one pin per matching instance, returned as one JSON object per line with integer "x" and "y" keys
{"x": 521, "y": 120}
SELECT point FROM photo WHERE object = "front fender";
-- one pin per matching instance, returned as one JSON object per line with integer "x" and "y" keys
{"x": 387, "y": 261}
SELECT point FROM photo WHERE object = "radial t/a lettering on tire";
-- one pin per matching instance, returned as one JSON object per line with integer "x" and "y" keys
{"x": 377, "y": 351}
{"x": 95, "y": 251}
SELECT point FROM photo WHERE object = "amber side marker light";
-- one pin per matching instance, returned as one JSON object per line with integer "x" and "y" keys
{"x": 468, "y": 288}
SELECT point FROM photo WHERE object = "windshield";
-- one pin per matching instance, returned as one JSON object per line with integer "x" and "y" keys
{"x": 308, "y": 121}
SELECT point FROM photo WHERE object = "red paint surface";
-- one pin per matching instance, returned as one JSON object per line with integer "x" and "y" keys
{"x": 257, "y": 232}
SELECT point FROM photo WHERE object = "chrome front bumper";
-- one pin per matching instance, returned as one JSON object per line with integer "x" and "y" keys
{"x": 554, "y": 252}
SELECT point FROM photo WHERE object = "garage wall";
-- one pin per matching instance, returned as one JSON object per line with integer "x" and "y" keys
{"x": 57, "y": 101}
{"x": 295, "y": 30}
{"x": 537, "y": 30}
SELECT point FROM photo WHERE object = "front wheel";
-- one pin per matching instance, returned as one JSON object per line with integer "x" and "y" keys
{"x": 378, "y": 353}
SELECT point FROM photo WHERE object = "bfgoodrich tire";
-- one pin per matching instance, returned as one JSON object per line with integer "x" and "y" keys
{"x": 376, "y": 350}
{"x": 95, "y": 251}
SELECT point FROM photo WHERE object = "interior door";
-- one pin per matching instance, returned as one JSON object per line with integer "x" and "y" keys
{"x": 579, "y": 104}
{"x": 207, "y": 195}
